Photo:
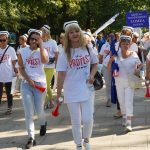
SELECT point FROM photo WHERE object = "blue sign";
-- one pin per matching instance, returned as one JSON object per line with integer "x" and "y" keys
{"x": 137, "y": 19}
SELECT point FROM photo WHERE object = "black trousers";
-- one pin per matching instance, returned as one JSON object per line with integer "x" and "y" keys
{"x": 8, "y": 93}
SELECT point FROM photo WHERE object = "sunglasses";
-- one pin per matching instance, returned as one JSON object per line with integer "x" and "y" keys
{"x": 2, "y": 40}
{"x": 33, "y": 39}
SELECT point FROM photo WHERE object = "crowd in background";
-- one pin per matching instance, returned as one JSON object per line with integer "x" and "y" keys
{"x": 67, "y": 64}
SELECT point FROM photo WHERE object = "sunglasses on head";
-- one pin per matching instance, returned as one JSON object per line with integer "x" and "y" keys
{"x": 2, "y": 40}
{"x": 33, "y": 39}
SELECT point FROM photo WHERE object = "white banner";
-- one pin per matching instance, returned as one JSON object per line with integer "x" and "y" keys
{"x": 110, "y": 21}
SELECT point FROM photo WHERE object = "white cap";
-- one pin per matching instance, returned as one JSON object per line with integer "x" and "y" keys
{"x": 146, "y": 34}
{"x": 46, "y": 27}
{"x": 128, "y": 28}
{"x": 34, "y": 30}
{"x": 125, "y": 37}
{"x": 67, "y": 24}
{"x": 25, "y": 36}
{"x": 4, "y": 33}
{"x": 135, "y": 34}
{"x": 30, "y": 30}
{"x": 87, "y": 33}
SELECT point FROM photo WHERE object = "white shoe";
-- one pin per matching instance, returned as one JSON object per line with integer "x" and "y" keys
{"x": 79, "y": 148}
{"x": 128, "y": 128}
{"x": 87, "y": 146}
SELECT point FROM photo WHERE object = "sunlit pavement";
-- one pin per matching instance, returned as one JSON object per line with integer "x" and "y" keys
{"x": 108, "y": 134}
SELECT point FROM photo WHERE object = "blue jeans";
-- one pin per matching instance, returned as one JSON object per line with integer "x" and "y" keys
{"x": 32, "y": 99}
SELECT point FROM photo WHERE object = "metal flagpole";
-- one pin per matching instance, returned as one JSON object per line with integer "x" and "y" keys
{"x": 110, "y": 21}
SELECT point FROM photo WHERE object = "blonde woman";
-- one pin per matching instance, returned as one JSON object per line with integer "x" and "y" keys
{"x": 74, "y": 76}
{"x": 51, "y": 46}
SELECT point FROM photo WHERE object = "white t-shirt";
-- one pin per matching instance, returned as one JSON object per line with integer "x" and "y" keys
{"x": 60, "y": 48}
{"x": 146, "y": 44}
{"x": 105, "y": 51}
{"x": 51, "y": 47}
{"x": 33, "y": 65}
{"x": 148, "y": 56}
{"x": 6, "y": 67}
{"x": 127, "y": 65}
{"x": 77, "y": 71}
{"x": 134, "y": 47}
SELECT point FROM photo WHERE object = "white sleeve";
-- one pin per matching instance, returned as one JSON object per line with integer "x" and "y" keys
{"x": 102, "y": 50}
{"x": 13, "y": 53}
{"x": 54, "y": 46}
{"x": 93, "y": 56}
{"x": 138, "y": 61}
{"x": 148, "y": 56}
{"x": 62, "y": 62}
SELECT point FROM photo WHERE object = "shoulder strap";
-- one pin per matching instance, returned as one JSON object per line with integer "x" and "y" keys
{"x": 88, "y": 49}
{"x": 3, "y": 54}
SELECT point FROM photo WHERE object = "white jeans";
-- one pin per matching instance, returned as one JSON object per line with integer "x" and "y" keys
{"x": 125, "y": 97}
{"x": 107, "y": 78}
{"x": 81, "y": 111}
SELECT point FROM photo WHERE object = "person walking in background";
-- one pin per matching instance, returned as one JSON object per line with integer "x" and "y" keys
{"x": 60, "y": 48}
{"x": 128, "y": 61}
{"x": 8, "y": 60}
{"x": 74, "y": 76}
{"x": 31, "y": 62}
{"x": 22, "y": 41}
{"x": 104, "y": 57}
{"x": 51, "y": 46}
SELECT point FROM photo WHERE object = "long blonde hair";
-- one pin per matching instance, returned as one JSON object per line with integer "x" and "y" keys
{"x": 67, "y": 44}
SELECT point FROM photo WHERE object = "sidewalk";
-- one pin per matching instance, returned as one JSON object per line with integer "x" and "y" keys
{"x": 108, "y": 134}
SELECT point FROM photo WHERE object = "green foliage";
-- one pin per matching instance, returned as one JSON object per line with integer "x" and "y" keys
{"x": 22, "y": 14}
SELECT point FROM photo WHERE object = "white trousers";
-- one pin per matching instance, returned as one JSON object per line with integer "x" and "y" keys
{"x": 81, "y": 111}
{"x": 107, "y": 78}
{"x": 125, "y": 96}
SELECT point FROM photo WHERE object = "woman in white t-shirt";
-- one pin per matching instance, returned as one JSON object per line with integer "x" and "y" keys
{"x": 104, "y": 56}
{"x": 128, "y": 62}
{"x": 51, "y": 46}
{"x": 31, "y": 62}
{"x": 148, "y": 67}
{"x": 7, "y": 68}
{"x": 74, "y": 76}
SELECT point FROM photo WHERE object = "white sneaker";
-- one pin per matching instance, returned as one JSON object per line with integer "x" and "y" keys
{"x": 79, "y": 148}
{"x": 87, "y": 146}
{"x": 128, "y": 128}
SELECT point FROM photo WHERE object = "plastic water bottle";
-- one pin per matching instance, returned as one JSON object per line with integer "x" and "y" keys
{"x": 142, "y": 74}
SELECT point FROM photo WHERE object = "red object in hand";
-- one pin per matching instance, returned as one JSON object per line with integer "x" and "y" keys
{"x": 55, "y": 113}
{"x": 40, "y": 88}
{"x": 147, "y": 92}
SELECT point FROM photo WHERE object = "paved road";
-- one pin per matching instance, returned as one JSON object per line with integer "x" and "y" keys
{"x": 108, "y": 134}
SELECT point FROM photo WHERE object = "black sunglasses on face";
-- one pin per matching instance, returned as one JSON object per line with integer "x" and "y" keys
{"x": 2, "y": 40}
{"x": 33, "y": 39}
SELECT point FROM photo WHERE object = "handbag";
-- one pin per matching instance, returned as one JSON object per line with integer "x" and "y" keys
{"x": 51, "y": 60}
{"x": 98, "y": 80}
{"x": 135, "y": 82}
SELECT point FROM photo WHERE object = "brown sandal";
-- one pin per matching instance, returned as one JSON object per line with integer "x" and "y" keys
{"x": 9, "y": 111}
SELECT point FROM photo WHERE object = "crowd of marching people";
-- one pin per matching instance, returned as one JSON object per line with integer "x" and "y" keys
{"x": 73, "y": 63}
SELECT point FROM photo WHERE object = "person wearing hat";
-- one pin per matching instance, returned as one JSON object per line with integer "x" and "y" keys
{"x": 51, "y": 46}
{"x": 23, "y": 41}
{"x": 75, "y": 78}
{"x": 128, "y": 61}
{"x": 8, "y": 60}
{"x": 31, "y": 62}
{"x": 134, "y": 46}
